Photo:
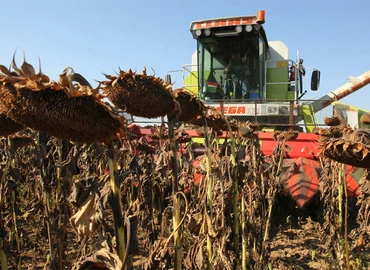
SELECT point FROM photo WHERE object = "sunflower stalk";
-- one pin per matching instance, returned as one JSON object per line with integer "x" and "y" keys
{"x": 256, "y": 184}
{"x": 340, "y": 199}
{"x": 346, "y": 224}
{"x": 235, "y": 195}
{"x": 235, "y": 191}
{"x": 3, "y": 259}
{"x": 47, "y": 220}
{"x": 153, "y": 183}
{"x": 42, "y": 141}
{"x": 58, "y": 178}
{"x": 175, "y": 190}
{"x": 58, "y": 192}
{"x": 209, "y": 181}
{"x": 13, "y": 186}
{"x": 280, "y": 152}
{"x": 153, "y": 204}
{"x": 3, "y": 254}
{"x": 16, "y": 231}
{"x": 116, "y": 202}
{"x": 244, "y": 238}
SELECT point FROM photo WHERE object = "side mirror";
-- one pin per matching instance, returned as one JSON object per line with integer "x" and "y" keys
{"x": 168, "y": 79}
{"x": 315, "y": 80}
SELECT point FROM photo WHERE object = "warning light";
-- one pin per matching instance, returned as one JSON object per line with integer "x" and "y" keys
{"x": 260, "y": 17}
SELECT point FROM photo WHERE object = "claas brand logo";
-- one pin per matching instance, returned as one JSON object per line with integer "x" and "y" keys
{"x": 232, "y": 109}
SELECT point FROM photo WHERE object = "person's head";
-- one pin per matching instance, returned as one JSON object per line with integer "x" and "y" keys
{"x": 235, "y": 55}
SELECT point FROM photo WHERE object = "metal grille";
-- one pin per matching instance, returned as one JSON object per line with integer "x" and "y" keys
{"x": 275, "y": 113}
{"x": 271, "y": 114}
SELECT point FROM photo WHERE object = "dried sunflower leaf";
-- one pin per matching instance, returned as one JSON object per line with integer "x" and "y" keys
{"x": 357, "y": 147}
{"x": 199, "y": 258}
{"x": 365, "y": 152}
{"x": 83, "y": 220}
{"x": 28, "y": 70}
{"x": 6, "y": 71}
{"x": 345, "y": 146}
{"x": 101, "y": 259}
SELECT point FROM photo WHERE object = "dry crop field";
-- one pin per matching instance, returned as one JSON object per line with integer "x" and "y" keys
{"x": 80, "y": 190}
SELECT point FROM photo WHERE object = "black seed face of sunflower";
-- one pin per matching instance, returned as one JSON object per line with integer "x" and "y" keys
{"x": 79, "y": 119}
{"x": 8, "y": 126}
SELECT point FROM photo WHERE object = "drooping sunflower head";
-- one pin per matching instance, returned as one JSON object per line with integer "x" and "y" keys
{"x": 333, "y": 121}
{"x": 140, "y": 94}
{"x": 190, "y": 106}
{"x": 289, "y": 135}
{"x": 216, "y": 121}
{"x": 347, "y": 151}
{"x": 365, "y": 119}
{"x": 66, "y": 110}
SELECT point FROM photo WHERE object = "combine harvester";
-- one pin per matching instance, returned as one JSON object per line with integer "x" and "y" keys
{"x": 274, "y": 96}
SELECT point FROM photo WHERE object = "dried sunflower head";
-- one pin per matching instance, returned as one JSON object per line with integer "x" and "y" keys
{"x": 140, "y": 94}
{"x": 215, "y": 121}
{"x": 337, "y": 131}
{"x": 8, "y": 126}
{"x": 346, "y": 151}
{"x": 66, "y": 111}
{"x": 190, "y": 106}
{"x": 286, "y": 135}
{"x": 332, "y": 121}
{"x": 365, "y": 119}
{"x": 181, "y": 136}
{"x": 247, "y": 129}
{"x": 143, "y": 145}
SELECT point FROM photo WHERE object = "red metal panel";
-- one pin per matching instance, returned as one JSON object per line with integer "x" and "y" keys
{"x": 302, "y": 180}
{"x": 305, "y": 145}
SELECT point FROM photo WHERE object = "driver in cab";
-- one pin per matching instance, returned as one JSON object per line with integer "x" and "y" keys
{"x": 237, "y": 73}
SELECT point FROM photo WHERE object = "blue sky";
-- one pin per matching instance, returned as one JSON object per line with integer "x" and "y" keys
{"x": 96, "y": 37}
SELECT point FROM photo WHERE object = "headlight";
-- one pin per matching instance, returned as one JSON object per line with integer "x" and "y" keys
{"x": 284, "y": 110}
{"x": 248, "y": 28}
{"x": 272, "y": 110}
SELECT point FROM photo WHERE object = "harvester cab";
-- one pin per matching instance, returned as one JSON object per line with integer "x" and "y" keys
{"x": 266, "y": 91}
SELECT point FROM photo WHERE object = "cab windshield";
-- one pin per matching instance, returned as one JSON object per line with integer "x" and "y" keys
{"x": 214, "y": 56}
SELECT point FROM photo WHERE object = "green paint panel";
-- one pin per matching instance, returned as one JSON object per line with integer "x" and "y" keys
{"x": 309, "y": 117}
{"x": 191, "y": 82}
{"x": 290, "y": 95}
{"x": 277, "y": 91}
